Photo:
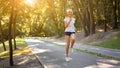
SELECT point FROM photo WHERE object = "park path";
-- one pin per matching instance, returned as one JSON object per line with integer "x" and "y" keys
{"x": 52, "y": 56}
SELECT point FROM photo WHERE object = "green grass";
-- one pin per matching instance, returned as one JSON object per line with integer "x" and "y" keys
{"x": 21, "y": 49}
{"x": 113, "y": 43}
{"x": 97, "y": 54}
{"x": 19, "y": 42}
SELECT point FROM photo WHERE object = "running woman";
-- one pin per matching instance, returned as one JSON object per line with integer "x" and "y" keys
{"x": 69, "y": 32}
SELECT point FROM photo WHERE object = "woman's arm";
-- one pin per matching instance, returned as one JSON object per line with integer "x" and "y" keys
{"x": 67, "y": 23}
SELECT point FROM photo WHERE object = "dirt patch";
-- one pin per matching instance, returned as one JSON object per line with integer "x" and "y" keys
{"x": 98, "y": 37}
{"x": 27, "y": 60}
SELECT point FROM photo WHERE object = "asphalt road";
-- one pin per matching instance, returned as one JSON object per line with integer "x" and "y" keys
{"x": 53, "y": 56}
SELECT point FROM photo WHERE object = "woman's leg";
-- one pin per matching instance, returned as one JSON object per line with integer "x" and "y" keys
{"x": 72, "y": 38}
{"x": 67, "y": 44}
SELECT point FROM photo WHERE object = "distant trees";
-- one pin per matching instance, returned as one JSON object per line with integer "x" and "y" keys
{"x": 92, "y": 13}
{"x": 45, "y": 18}
{"x": 84, "y": 11}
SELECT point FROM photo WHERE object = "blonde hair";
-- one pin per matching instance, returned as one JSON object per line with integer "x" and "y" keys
{"x": 69, "y": 10}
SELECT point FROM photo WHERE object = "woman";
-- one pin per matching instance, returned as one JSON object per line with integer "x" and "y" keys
{"x": 69, "y": 32}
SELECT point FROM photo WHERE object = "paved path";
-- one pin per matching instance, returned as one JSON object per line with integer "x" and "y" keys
{"x": 52, "y": 56}
{"x": 104, "y": 51}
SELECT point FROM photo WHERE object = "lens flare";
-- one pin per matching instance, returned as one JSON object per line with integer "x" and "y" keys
{"x": 29, "y": 2}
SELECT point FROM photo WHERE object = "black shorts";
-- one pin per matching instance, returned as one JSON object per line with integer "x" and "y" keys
{"x": 69, "y": 33}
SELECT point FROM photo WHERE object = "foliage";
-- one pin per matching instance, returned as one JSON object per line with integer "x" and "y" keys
{"x": 45, "y": 17}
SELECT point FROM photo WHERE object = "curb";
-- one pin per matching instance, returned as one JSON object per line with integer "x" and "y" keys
{"x": 43, "y": 66}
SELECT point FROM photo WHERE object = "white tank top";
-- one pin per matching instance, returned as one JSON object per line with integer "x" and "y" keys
{"x": 70, "y": 27}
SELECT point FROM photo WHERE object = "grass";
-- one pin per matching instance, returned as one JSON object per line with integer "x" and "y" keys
{"x": 21, "y": 49}
{"x": 113, "y": 43}
{"x": 97, "y": 54}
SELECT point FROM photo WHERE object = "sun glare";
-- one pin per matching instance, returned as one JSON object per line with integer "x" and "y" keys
{"x": 29, "y": 2}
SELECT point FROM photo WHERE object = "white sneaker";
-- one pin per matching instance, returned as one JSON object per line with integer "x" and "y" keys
{"x": 68, "y": 59}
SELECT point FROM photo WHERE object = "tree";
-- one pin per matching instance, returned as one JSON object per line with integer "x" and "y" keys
{"x": 105, "y": 16}
{"x": 10, "y": 32}
{"x": 92, "y": 23}
{"x": 84, "y": 11}
{"x": 118, "y": 6}
{"x": 1, "y": 35}
{"x": 115, "y": 14}
{"x": 14, "y": 30}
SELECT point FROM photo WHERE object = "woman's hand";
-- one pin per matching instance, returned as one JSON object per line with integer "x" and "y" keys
{"x": 70, "y": 20}
{"x": 67, "y": 23}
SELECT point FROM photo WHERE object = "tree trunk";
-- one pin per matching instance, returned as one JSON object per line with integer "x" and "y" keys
{"x": 83, "y": 16}
{"x": 1, "y": 35}
{"x": 105, "y": 15}
{"x": 10, "y": 41}
{"x": 10, "y": 32}
{"x": 14, "y": 31}
{"x": 105, "y": 25}
{"x": 80, "y": 17}
{"x": 119, "y": 11}
{"x": 92, "y": 24}
{"x": 115, "y": 14}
